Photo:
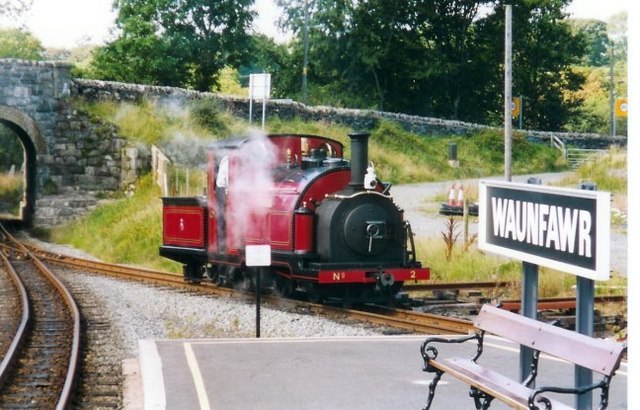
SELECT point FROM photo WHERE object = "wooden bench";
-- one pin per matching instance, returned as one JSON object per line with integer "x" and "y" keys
{"x": 598, "y": 355}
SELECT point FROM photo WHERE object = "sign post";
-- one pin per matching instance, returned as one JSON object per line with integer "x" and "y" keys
{"x": 560, "y": 228}
{"x": 529, "y": 303}
{"x": 259, "y": 89}
{"x": 258, "y": 256}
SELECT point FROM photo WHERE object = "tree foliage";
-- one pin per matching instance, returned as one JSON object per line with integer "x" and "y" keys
{"x": 440, "y": 57}
{"x": 597, "y": 41}
{"x": 17, "y": 43}
{"x": 11, "y": 150}
{"x": 181, "y": 43}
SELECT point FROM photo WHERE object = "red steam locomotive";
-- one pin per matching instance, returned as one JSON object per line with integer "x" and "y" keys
{"x": 332, "y": 226}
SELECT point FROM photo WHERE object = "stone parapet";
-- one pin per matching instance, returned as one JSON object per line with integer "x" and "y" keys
{"x": 94, "y": 90}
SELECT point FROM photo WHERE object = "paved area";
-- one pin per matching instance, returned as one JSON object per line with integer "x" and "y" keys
{"x": 328, "y": 373}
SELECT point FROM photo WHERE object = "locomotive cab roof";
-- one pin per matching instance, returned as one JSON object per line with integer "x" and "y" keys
{"x": 289, "y": 147}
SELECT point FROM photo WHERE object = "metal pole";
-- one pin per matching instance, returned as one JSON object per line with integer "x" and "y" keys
{"x": 529, "y": 309}
{"x": 521, "y": 109}
{"x": 585, "y": 306}
{"x": 305, "y": 62}
{"x": 264, "y": 110}
{"x": 250, "y": 98}
{"x": 258, "y": 286}
{"x": 529, "y": 305}
{"x": 507, "y": 93}
{"x": 612, "y": 93}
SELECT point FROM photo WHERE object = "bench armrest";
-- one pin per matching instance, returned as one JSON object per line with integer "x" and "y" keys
{"x": 430, "y": 352}
{"x": 602, "y": 384}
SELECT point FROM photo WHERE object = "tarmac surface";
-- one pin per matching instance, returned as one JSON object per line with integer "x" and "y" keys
{"x": 326, "y": 373}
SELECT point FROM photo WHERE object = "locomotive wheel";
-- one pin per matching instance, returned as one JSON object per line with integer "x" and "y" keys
{"x": 213, "y": 274}
{"x": 313, "y": 293}
{"x": 283, "y": 286}
{"x": 192, "y": 272}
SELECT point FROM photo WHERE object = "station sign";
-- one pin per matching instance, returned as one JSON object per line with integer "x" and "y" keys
{"x": 560, "y": 228}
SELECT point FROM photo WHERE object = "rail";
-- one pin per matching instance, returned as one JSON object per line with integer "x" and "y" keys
{"x": 412, "y": 321}
{"x": 25, "y": 321}
{"x": 64, "y": 400}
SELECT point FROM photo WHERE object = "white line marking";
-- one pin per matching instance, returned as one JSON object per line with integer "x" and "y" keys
{"x": 197, "y": 377}
{"x": 152, "y": 379}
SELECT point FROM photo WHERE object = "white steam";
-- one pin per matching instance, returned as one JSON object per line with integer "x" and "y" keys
{"x": 251, "y": 185}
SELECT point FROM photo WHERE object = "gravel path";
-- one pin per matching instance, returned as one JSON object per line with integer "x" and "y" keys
{"x": 141, "y": 311}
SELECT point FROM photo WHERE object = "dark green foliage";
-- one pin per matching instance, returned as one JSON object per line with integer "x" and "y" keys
{"x": 181, "y": 43}
{"x": 11, "y": 150}
{"x": 594, "y": 33}
{"x": 437, "y": 58}
{"x": 442, "y": 58}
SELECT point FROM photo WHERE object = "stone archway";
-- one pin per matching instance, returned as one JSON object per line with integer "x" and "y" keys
{"x": 34, "y": 145}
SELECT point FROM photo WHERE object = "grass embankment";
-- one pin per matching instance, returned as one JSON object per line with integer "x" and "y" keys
{"x": 129, "y": 230}
{"x": 11, "y": 188}
{"x": 126, "y": 231}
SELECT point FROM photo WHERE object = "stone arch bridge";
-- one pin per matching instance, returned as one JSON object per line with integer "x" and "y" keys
{"x": 64, "y": 149}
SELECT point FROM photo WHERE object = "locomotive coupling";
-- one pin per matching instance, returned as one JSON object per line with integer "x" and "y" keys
{"x": 385, "y": 279}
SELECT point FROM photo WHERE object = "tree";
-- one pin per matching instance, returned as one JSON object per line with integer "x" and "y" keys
{"x": 17, "y": 43}
{"x": 176, "y": 42}
{"x": 11, "y": 150}
{"x": 545, "y": 49}
{"x": 617, "y": 29}
{"x": 596, "y": 39}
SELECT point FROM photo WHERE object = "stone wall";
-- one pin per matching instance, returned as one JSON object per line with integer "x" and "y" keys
{"x": 286, "y": 109}
{"x": 68, "y": 153}
{"x": 86, "y": 153}
{"x": 73, "y": 151}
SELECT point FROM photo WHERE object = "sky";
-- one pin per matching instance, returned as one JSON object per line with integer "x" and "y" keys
{"x": 68, "y": 23}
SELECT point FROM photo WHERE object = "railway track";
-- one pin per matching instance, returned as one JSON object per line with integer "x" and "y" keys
{"x": 406, "y": 320}
{"x": 38, "y": 370}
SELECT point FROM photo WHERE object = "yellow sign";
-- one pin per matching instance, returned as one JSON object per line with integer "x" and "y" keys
{"x": 621, "y": 107}
{"x": 515, "y": 106}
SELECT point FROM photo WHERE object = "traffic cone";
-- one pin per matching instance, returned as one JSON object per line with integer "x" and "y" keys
{"x": 461, "y": 196}
{"x": 452, "y": 196}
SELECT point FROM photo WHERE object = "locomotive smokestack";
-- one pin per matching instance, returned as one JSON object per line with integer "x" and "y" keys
{"x": 359, "y": 158}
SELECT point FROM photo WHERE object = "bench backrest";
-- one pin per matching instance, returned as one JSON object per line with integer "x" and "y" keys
{"x": 599, "y": 355}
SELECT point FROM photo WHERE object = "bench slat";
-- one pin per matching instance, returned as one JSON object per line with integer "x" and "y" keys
{"x": 599, "y": 355}
{"x": 503, "y": 388}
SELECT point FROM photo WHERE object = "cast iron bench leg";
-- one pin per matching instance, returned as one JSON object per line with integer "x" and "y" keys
{"x": 432, "y": 389}
{"x": 480, "y": 398}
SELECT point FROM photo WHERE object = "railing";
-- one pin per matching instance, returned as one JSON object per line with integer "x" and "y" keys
{"x": 577, "y": 156}
{"x": 557, "y": 143}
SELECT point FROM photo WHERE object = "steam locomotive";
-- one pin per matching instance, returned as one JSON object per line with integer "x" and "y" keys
{"x": 331, "y": 226}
